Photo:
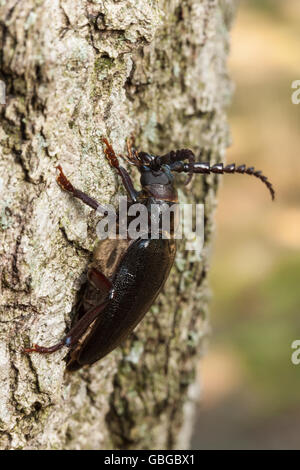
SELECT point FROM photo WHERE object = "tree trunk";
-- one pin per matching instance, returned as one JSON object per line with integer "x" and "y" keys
{"x": 74, "y": 71}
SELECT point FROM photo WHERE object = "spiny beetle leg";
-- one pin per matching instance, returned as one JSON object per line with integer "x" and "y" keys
{"x": 110, "y": 153}
{"x": 71, "y": 339}
{"x": 113, "y": 160}
{"x": 66, "y": 185}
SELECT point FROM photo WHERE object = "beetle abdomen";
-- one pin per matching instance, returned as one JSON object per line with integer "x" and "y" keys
{"x": 138, "y": 280}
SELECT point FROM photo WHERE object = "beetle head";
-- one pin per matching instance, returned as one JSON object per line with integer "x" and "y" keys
{"x": 152, "y": 171}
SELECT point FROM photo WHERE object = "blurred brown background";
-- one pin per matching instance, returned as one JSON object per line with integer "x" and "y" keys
{"x": 251, "y": 389}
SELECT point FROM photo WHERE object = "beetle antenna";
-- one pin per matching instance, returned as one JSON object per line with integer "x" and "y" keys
{"x": 218, "y": 168}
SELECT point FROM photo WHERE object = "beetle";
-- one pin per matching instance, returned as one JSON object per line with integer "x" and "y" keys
{"x": 126, "y": 276}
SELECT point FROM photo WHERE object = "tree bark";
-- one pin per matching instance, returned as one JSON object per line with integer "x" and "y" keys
{"x": 75, "y": 71}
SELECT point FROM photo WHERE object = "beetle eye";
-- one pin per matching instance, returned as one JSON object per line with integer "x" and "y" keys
{"x": 143, "y": 157}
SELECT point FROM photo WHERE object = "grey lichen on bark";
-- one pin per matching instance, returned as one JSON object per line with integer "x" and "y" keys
{"x": 75, "y": 71}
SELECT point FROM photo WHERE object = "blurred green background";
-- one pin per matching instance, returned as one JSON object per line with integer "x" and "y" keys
{"x": 250, "y": 388}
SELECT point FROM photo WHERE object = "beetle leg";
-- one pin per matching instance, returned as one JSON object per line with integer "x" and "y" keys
{"x": 113, "y": 160}
{"x": 66, "y": 185}
{"x": 82, "y": 325}
{"x": 132, "y": 153}
{"x": 74, "y": 334}
{"x": 99, "y": 280}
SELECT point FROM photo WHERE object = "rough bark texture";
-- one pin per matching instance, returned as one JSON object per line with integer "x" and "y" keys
{"x": 75, "y": 70}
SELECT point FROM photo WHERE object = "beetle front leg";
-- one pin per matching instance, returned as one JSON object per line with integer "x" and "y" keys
{"x": 132, "y": 152}
{"x": 66, "y": 185}
{"x": 113, "y": 160}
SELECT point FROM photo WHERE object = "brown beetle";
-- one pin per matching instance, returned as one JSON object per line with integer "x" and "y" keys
{"x": 126, "y": 276}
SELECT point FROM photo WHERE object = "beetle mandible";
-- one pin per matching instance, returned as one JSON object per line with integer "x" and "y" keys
{"x": 126, "y": 276}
